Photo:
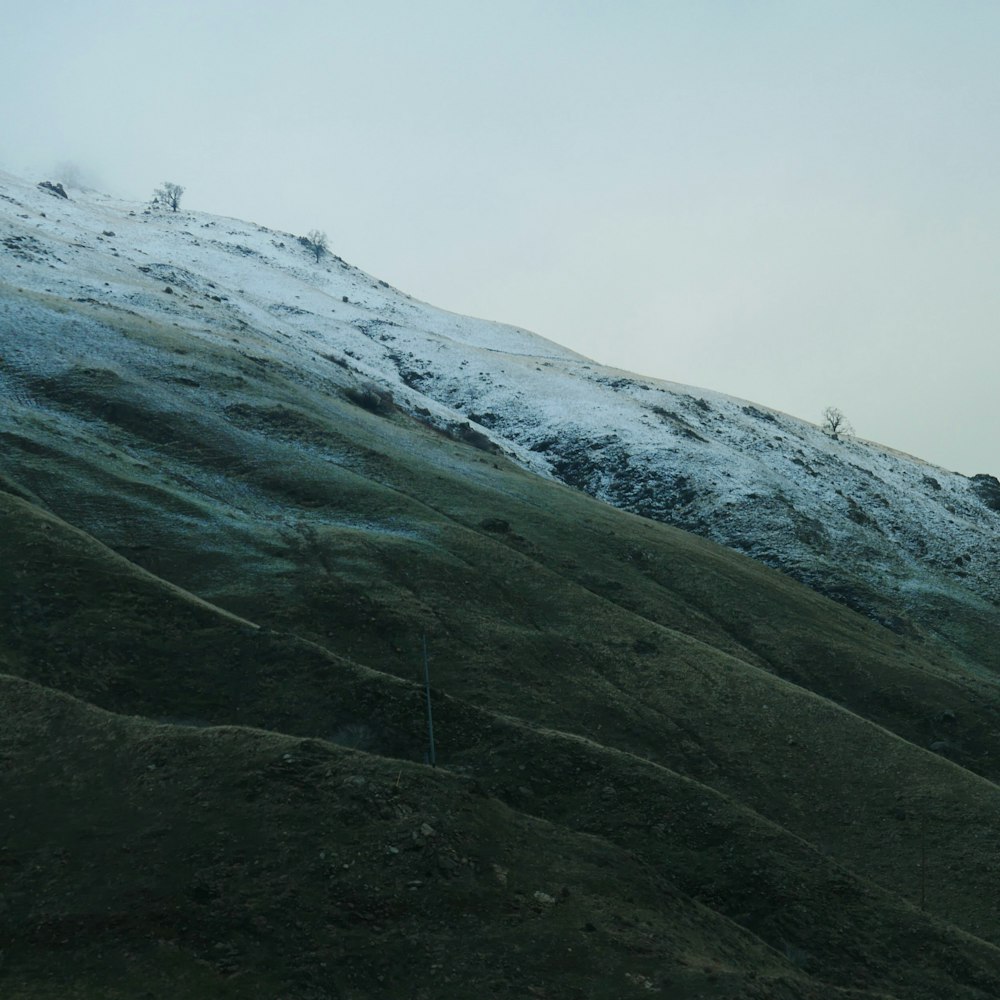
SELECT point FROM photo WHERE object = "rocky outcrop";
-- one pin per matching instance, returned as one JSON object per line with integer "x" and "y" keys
{"x": 56, "y": 190}
{"x": 987, "y": 488}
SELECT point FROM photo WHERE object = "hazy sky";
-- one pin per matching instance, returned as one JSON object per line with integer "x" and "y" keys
{"x": 793, "y": 201}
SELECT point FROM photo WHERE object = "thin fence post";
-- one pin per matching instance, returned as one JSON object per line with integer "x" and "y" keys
{"x": 430, "y": 717}
{"x": 923, "y": 860}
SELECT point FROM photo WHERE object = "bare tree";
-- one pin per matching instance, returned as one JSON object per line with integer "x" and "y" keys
{"x": 169, "y": 195}
{"x": 316, "y": 241}
{"x": 835, "y": 423}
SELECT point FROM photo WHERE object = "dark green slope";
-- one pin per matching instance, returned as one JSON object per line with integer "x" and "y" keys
{"x": 162, "y": 861}
{"x": 151, "y": 853}
{"x": 758, "y": 752}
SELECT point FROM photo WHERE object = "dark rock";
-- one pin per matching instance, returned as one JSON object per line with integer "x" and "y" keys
{"x": 56, "y": 190}
{"x": 987, "y": 488}
{"x": 486, "y": 419}
{"x": 373, "y": 398}
{"x": 414, "y": 379}
{"x": 752, "y": 411}
{"x": 547, "y": 445}
{"x": 467, "y": 433}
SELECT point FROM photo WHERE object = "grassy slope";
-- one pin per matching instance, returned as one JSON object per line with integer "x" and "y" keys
{"x": 743, "y": 741}
{"x": 135, "y": 850}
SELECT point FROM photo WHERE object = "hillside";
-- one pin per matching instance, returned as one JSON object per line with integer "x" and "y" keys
{"x": 905, "y": 543}
{"x": 663, "y": 766}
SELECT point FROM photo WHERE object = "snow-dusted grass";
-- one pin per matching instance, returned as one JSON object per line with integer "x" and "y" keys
{"x": 830, "y": 511}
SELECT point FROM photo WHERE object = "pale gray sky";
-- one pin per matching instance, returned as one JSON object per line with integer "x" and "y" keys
{"x": 793, "y": 201}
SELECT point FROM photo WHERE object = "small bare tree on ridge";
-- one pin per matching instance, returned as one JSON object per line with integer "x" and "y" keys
{"x": 169, "y": 195}
{"x": 835, "y": 423}
{"x": 316, "y": 241}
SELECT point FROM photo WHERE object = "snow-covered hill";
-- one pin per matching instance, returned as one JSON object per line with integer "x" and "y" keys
{"x": 909, "y": 544}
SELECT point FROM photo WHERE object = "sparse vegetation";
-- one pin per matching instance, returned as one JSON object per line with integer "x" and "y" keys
{"x": 499, "y": 831}
{"x": 464, "y": 431}
{"x": 372, "y": 397}
{"x": 169, "y": 195}
{"x": 315, "y": 242}
{"x": 835, "y": 423}
{"x": 662, "y": 768}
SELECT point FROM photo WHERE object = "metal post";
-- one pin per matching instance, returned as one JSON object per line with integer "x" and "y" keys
{"x": 923, "y": 861}
{"x": 430, "y": 717}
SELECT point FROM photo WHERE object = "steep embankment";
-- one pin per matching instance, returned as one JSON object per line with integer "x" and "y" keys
{"x": 907, "y": 544}
{"x": 716, "y": 779}
{"x": 170, "y": 851}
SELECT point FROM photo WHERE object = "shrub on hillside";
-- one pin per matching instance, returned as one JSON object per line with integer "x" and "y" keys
{"x": 169, "y": 195}
{"x": 315, "y": 242}
{"x": 467, "y": 433}
{"x": 373, "y": 398}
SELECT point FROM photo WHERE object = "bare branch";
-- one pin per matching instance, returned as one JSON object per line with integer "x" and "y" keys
{"x": 835, "y": 423}
{"x": 316, "y": 242}
{"x": 169, "y": 195}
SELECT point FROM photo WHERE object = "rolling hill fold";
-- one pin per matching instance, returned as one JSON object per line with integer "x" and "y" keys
{"x": 221, "y": 543}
